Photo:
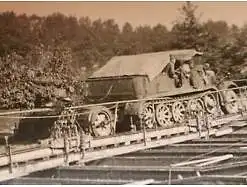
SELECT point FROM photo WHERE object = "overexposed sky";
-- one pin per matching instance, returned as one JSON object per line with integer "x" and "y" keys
{"x": 137, "y": 13}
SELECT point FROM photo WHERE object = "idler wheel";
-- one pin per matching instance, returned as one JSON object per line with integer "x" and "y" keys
{"x": 178, "y": 111}
{"x": 163, "y": 115}
{"x": 210, "y": 103}
{"x": 101, "y": 121}
{"x": 231, "y": 104}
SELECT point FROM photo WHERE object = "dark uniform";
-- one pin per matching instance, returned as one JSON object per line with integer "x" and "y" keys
{"x": 171, "y": 67}
{"x": 185, "y": 73}
{"x": 171, "y": 71}
{"x": 198, "y": 77}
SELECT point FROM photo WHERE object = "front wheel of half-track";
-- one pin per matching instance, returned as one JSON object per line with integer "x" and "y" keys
{"x": 101, "y": 121}
{"x": 230, "y": 102}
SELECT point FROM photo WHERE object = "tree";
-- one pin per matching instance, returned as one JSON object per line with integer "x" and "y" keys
{"x": 14, "y": 33}
{"x": 187, "y": 30}
{"x": 143, "y": 39}
{"x": 125, "y": 41}
{"x": 127, "y": 28}
{"x": 160, "y": 39}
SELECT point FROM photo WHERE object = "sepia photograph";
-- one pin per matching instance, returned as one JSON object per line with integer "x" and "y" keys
{"x": 123, "y": 93}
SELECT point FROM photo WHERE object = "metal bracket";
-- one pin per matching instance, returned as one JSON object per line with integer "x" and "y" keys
{"x": 132, "y": 125}
{"x": 208, "y": 125}
{"x": 199, "y": 127}
{"x": 170, "y": 176}
{"x": 144, "y": 133}
{"x": 66, "y": 150}
{"x": 9, "y": 153}
{"x": 82, "y": 144}
{"x": 115, "y": 118}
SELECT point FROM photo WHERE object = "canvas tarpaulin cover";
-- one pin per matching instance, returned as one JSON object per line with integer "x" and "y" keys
{"x": 150, "y": 64}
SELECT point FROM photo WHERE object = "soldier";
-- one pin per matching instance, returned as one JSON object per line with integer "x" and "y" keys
{"x": 210, "y": 74}
{"x": 185, "y": 69}
{"x": 198, "y": 77}
{"x": 172, "y": 72}
{"x": 171, "y": 67}
{"x": 185, "y": 73}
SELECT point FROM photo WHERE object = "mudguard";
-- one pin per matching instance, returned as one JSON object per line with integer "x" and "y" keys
{"x": 223, "y": 96}
{"x": 227, "y": 85}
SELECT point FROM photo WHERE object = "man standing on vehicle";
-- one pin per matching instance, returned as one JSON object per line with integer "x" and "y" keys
{"x": 171, "y": 67}
{"x": 198, "y": 74}
{"x": 210, "y": 74}
{"x": 172, "y": 72}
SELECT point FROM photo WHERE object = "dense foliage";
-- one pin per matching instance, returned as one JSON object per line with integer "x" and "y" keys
{"x": 41, "y": 54}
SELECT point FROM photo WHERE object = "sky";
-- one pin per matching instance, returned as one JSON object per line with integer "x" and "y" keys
{"x": 137, "y": 13}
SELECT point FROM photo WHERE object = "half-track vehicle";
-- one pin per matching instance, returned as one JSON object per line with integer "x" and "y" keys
{"x": 151, "y": 80}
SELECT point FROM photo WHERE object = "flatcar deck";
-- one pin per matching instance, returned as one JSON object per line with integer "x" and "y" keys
{"x": 157, "y": 166}
{"x": 48, "y": 156}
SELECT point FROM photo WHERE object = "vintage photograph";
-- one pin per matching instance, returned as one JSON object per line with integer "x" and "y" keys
{"x": 123, "y": 93}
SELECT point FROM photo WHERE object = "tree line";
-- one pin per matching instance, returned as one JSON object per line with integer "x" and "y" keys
{"x": 67, "y": 48}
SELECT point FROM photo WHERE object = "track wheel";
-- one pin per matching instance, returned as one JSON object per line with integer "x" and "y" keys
{"x": 231, "y": 104}
{"x": 195, "y": 106}
{"x": 101, "y": 121}
{"x": 210, "y": 103}
{"x": 178, "y": 111}
{"x": 163, "y": 115}
{"x": 148, "y": 115}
